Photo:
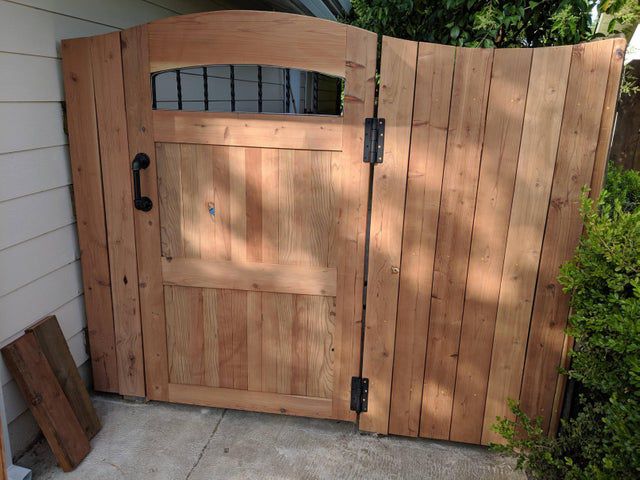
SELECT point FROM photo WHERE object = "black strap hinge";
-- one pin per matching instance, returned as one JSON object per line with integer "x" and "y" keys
{"x": 373, "y": 140}
{"x": 359, "y": 394}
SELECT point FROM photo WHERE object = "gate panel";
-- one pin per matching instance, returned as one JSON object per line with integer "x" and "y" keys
{"x": 486, "y": 305}
{"x": 244, "y": 282}
{"x": 255, "y": 275}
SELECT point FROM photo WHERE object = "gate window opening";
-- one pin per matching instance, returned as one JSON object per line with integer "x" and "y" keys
{"x": 248, "y": 89}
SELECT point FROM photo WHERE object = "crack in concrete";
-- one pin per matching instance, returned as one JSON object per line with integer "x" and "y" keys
{"x": 206, "y": 445}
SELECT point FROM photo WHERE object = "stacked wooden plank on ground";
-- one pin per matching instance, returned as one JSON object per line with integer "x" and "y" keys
{"x": 43, "y": 368}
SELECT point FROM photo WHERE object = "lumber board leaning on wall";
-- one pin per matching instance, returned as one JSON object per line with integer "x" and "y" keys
{"x": 47, "y": 401}
{"x": 55, "y": 349}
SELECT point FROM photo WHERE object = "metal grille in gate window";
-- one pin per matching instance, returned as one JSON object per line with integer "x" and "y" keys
{"x": 248, "y": 89}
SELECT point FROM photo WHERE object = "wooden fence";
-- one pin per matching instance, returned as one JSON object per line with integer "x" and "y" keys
{"x": 473, "y": 210}
{"x": 501, "y": 144}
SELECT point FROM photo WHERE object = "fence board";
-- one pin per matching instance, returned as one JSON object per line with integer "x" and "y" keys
{"x": 352, "y": 182}
{"x": 541, "y": 130}
{"x": 505, "y": 116}
{"x": 434, "y": 78}
{"x": 135, "y": 65}
{"x": 89, "y": 209}
{"x": 574, "y": 166}
{"x": 397, "y": 79}
{"x": 114, "y": 156}
{"x": 459, "y": 187}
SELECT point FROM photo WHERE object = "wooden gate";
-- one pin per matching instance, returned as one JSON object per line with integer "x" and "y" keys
{"x": 464, "y": 310}
{"x": 249, "y": 247}
{"x": 224, "y": 253}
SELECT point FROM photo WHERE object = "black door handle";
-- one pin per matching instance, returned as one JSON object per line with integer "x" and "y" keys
{"x": 140, "y": 162}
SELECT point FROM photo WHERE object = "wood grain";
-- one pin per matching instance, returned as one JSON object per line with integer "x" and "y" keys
{"x": 541, "y": 131}
{"x": 350, "y": 182}
{"x": 397, "y": 78}
{"x": 53, "y": 345}
{"x": 46, "y": 401}
{"x": 574, "y": 166}
{"x": 114, "y": 156}
{"x": 135, "y": 64}
{"x": 253, "y": 401}
{"x": 503, "y": 131}
{"x": 607, "y": 121}
{"x": 89, "y": 210}
{"x": 251, "y": 276}
{"x": 464, "y": 147}
{"x": 302, "y": 132}
{"x": 248, "y": 37}
{"x": 424, "y": 182}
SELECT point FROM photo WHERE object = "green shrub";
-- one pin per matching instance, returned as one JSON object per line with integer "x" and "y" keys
{"x": 603, "y": 440}
{"x": 492, "y": 23}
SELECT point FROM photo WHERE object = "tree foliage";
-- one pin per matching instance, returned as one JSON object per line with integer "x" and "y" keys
{"x": 488, "y": 23}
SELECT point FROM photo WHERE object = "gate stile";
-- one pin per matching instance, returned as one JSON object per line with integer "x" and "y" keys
{"x": 242, "y": 286}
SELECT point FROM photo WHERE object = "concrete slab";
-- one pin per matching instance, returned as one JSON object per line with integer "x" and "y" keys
{"x": 160, "y": 441}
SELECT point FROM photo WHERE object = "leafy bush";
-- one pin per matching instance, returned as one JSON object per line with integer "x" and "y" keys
{"x": 492, "y": 23}
{"x": 603, "y": 440}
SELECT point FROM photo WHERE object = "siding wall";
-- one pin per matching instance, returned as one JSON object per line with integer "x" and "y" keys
{"x": 39, "y": 267}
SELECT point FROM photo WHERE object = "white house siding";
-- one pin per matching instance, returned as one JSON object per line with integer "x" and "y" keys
{"x": 39, "y": 267}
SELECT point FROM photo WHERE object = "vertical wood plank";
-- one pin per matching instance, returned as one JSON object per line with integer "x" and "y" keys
{"x": 270, "y": 342}
{"x": 116, "y": 164}
{"x": 574, "y": 167}
{"x": 320, "y": 356}
{"x": 89, "y": 209}
{"x": 286, "y": 207}
{"x": 47, "y": 401}
{"x": 284, "y": 349}
{"x": 224, "y": 311}
{"x": 53, "y": 345}
{"x": 397, "y": 79}
{"x": 459, "y": 187}
{"x": 211, "y": 339}
{"x": 253, "y": 169}
{"x": 170, "y": 198}
{"x": 348, "y": 228}
{"x": 270, "y": 205}
{"x": 192, "y": 207}
{"x": 424, "y": 182}
{"x": 254, "y": 341}
{"x": 608, "y": 115}
{"x": 239, "y": 316}
{"x": 538, "y": 148}
{"x": 185, "y": 335}
{"x": 597, "y": 182}
{"x": 205, "y": 198}
{"x": 135, "y": 68}
{"x": 505, "y": 116}
{"x": 260, "y": 324}
{"x": 302, "y": 317}
{"x": 222, "y": 202}
{"x": 238, "y": 204}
